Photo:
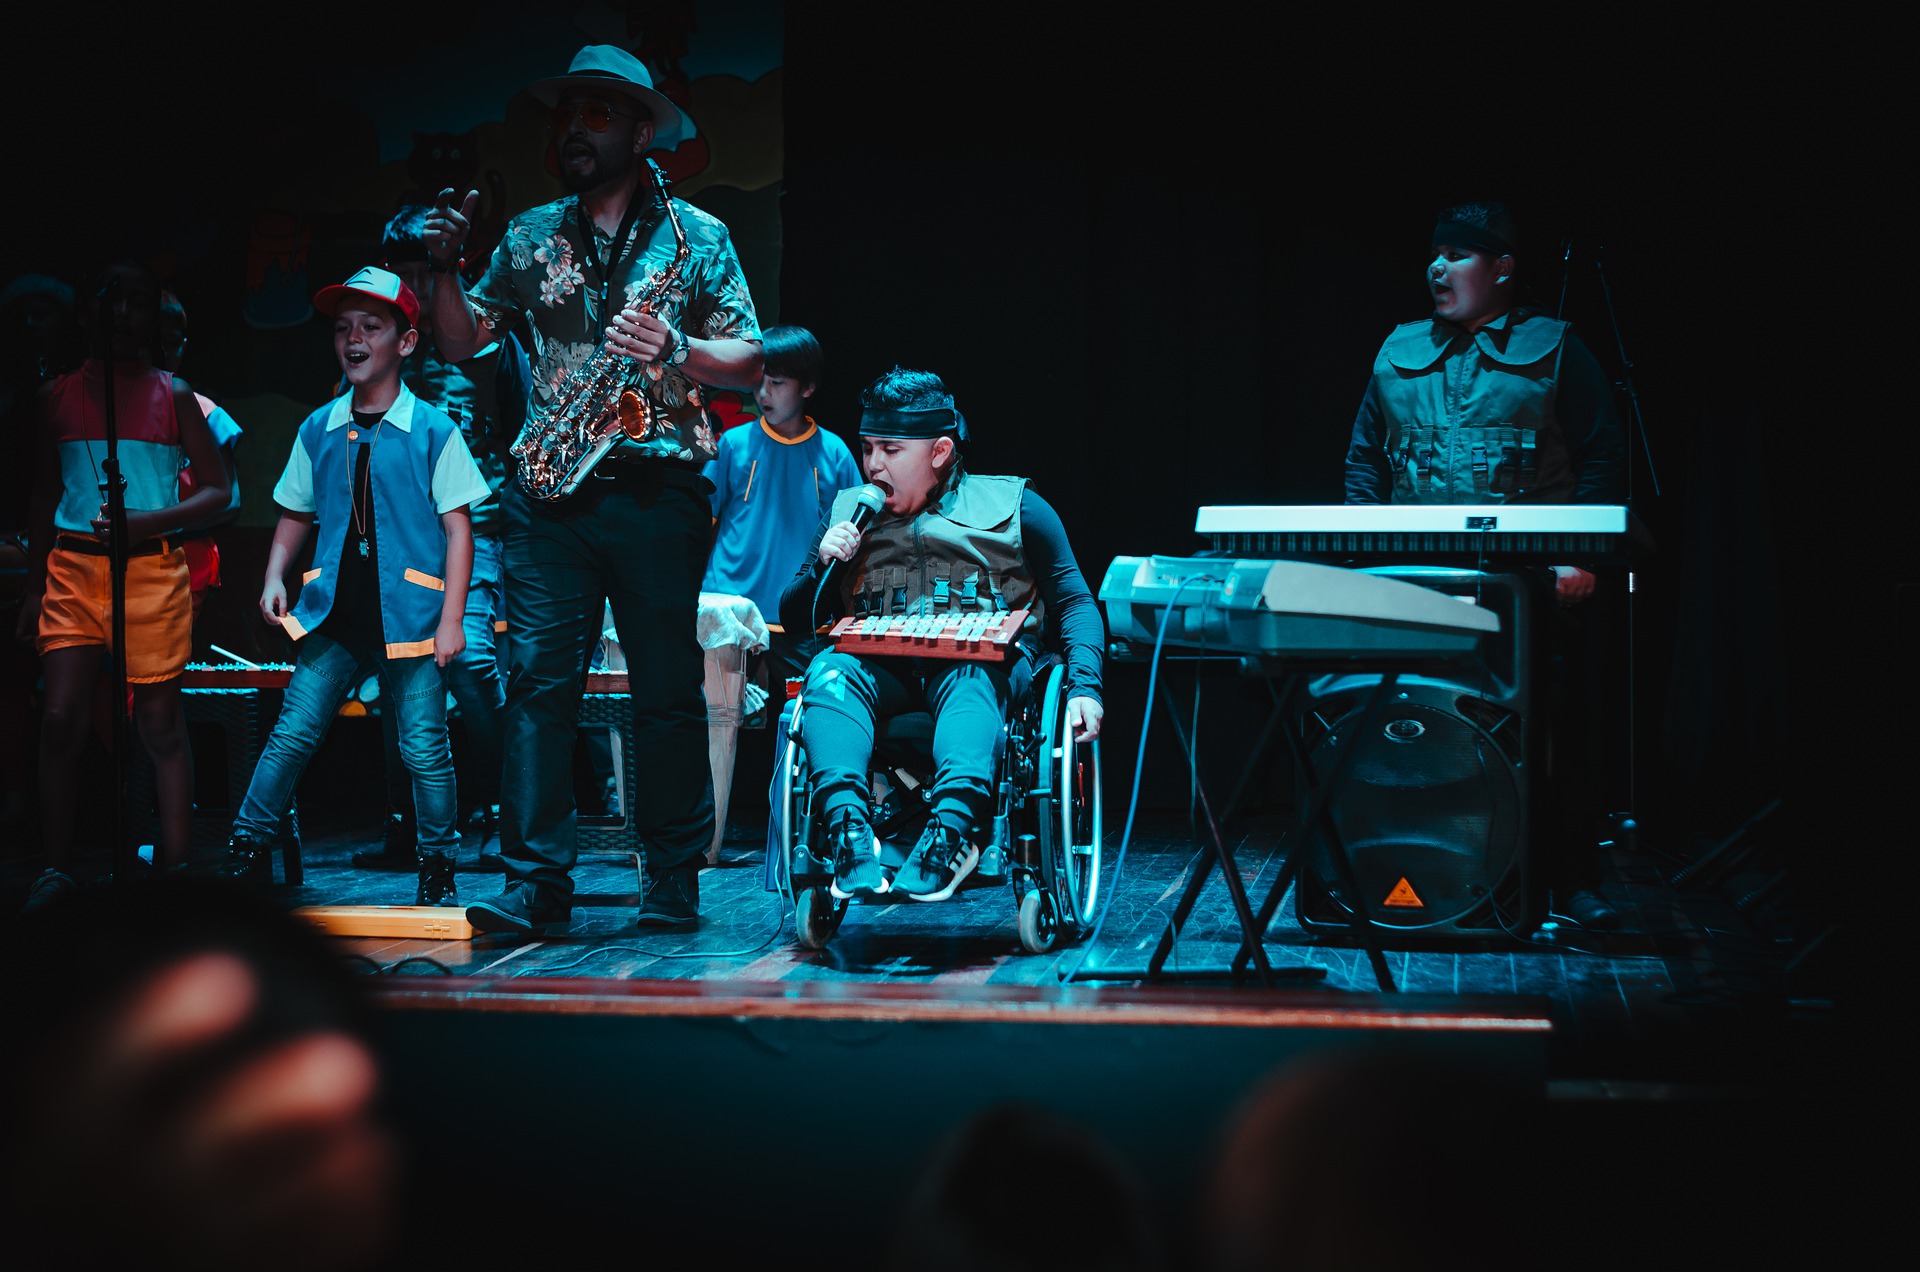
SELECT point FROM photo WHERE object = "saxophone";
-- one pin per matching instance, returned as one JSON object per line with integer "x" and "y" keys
{"x": 559, "y": 447}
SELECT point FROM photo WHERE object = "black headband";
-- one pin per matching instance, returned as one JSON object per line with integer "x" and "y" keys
{"x": 895, "y": 421}
{"x": 1462, "y": 234}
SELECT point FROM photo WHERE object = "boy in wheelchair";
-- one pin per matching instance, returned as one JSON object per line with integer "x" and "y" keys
{"x": 946, "y": 541}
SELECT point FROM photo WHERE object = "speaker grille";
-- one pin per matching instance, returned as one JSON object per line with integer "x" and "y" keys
{"x": 1429, "y": 814}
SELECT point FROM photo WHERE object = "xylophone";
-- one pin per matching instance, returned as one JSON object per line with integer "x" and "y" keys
{"x": 969, "y": 637}
{"x": 236, "y": 676}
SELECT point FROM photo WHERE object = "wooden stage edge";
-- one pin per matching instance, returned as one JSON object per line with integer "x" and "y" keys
{"x": 1250, "y": 1008}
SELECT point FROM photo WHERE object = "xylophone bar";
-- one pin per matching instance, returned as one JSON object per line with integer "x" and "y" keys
{"x": 234, "y": 676}
{"x": 966, "y": 637}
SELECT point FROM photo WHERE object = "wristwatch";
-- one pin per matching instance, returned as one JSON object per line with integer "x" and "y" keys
{"x": 681, "y": 348}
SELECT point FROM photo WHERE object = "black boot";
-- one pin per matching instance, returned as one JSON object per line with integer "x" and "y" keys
{"x": 672, "y": 900}
{"x": 399, "y": 851}
{"x": 436, "y": 879}
{"x": 250, "y": 861}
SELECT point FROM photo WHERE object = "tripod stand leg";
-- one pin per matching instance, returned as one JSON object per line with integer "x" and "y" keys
{"x": 1321, "y": 814}
{"x": 1318, "y": 815}
{"x": 1284, "y": 707}
{"x": 1229, "y": 871}
{"x": 1196, "y": 880}
{"x": 1255, "y": 759}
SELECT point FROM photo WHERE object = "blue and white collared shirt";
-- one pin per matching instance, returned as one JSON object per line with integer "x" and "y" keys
{"x": 419, "y": 469}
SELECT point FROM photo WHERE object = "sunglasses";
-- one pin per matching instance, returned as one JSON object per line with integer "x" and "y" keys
{"x": 596, "y": 115}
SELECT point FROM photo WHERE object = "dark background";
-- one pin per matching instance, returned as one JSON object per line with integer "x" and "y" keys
{"x": 1154, "y": 254}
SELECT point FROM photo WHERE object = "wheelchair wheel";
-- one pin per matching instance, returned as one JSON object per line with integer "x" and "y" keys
{"x": 1039, "y": 921}
{"x": 790, "y": 807}
{"x": 816, "y": 916}
{"x": 1071, "y": 824}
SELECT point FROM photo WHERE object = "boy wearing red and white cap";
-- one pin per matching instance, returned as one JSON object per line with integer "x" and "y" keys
{"x": 389, "y": 479}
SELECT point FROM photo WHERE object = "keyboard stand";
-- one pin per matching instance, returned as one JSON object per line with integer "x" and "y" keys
{"x": 1316, "y": 816}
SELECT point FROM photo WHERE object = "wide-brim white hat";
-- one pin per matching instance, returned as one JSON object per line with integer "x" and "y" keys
{"x": 612, "y": 68}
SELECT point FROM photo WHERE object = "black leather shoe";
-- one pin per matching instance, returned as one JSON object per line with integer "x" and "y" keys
{"x": 436, "y": 879}
{"x": 399, "y": 851}
{"x": 673, "y": 900}
{"x": 519, "y": 911}
{"x": 1591, "y": 911}
{"x": 250, "y": 862}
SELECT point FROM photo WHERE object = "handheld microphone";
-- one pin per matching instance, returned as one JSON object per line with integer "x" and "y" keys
{"x": 868, "y": 500}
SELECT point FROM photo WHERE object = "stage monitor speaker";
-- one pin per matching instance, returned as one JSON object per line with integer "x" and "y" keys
{"x": 1434, "y": 814}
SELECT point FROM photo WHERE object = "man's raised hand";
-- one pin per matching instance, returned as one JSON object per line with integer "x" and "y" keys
{"x": 446, "y": 228}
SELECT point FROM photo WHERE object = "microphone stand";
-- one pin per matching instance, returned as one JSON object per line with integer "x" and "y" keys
{"x": 114, "y": 486}
{"x": 1627, "y": 824}
{"x": 1626, "y": 379}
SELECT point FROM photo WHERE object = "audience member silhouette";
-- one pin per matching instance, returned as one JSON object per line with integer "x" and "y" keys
{"x": 1375, "y": 1159}
{"x": 1017, "y": 1187}
{"x": 187, "y": 1085}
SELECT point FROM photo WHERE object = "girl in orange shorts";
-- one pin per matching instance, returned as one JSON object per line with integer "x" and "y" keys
{"x": 68, "y": 609}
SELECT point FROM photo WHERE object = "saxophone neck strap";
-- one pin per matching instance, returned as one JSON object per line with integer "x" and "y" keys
{"x": 619, "y": 250}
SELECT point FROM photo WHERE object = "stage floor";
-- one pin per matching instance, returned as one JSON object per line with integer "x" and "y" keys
{"x": 1690, "y": 993}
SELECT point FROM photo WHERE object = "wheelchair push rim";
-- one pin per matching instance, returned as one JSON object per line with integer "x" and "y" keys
{"x": 1071, "y": 824}
{"x": 793, "y": 799}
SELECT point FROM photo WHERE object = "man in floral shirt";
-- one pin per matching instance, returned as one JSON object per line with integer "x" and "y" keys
{"x": 636, "y": 531}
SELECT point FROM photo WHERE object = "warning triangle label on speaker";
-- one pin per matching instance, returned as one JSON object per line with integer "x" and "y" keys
{"x": 1404, "y": 897}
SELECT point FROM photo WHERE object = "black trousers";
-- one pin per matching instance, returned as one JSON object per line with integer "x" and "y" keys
{"x": 639, "y": 543}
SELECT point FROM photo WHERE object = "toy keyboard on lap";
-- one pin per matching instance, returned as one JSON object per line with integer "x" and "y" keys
{"x": 973, "y": 637}
{"x": 235, "y": 676}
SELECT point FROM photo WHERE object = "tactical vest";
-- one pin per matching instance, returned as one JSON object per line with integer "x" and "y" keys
{"x": 961, "y": 555}
{"x": 1470, "y": 417}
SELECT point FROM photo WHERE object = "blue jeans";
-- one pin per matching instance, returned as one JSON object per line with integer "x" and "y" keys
{"x": 325, "y": 671}
{"x": 477, "y": 683}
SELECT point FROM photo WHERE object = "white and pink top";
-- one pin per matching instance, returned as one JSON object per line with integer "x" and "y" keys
{"x": 149, "y": 446}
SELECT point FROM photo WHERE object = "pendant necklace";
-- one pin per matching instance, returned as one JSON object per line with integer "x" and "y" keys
{"x": 363, "y": 497}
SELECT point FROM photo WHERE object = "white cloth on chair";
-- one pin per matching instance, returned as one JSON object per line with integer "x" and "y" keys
{"x": 732, "y": 620}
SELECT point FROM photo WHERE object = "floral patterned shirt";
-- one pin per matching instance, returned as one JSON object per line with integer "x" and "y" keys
{"x": 542, "y": 269}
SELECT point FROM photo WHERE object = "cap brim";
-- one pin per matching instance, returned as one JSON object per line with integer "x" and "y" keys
{"x": 327, "y": 300}
{"x": 670, "y": 124}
